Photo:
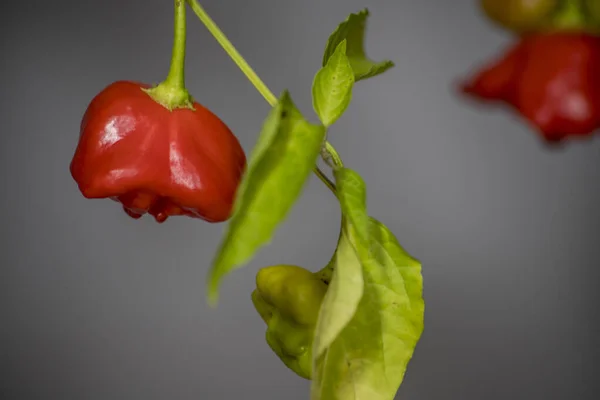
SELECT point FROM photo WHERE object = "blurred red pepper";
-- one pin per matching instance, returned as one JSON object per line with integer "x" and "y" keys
{"x": 153, "y": 160}
{"x": 551, "y": 79}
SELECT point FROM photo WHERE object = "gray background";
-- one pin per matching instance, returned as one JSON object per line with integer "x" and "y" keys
{"x": 95, "y": 305}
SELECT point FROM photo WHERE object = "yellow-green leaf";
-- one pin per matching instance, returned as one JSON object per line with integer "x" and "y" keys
{"x": 278, "y": 169}
{"x": 353, "y": 31}
{"x": 332, "y": 86}
{"x": 369, "y": 357}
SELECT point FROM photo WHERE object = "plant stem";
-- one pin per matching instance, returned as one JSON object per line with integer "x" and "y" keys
{"x": 332, "y": 153}
{"x": 232, "y": 52}
{"x": 171, "y": 93}
{"x": 331, "y": 156}
{"x": 176, "y": 77}
{"x": 321, "y": 175}
{"x": 262, "y": 88}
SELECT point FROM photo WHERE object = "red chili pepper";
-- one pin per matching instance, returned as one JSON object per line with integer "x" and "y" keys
{"x": 551, "y": 79}
{"x": 157, "y": 151}
{"x": 153, "y": 160}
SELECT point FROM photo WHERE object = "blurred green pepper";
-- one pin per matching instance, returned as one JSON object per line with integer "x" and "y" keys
{"x": 592, "y": 11}
{"x": 288, "y": 298}
{"x": 521, "y": 15}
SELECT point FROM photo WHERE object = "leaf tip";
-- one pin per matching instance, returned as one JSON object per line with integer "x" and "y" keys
{"x": 213, "y": 296}
{"x": 212, "y": 287}
{"x": 341, "y": 47}
{"x": 285, "y": 105}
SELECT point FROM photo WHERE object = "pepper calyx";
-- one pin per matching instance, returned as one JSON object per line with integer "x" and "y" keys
{"x": 171, "y": 96}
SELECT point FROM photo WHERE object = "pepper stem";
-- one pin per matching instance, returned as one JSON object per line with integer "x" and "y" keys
{"x": 171, "y": 93}
{"x": 232, "y": 52}
{"x": 571, "y": 16}
{"x": 176, "y": 77}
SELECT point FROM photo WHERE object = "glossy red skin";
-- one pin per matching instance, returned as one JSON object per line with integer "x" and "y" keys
{"x": 152, "y": 160}
{"x": 551, "y": 79}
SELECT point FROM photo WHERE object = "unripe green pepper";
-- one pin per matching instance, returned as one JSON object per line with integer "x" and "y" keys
{"x": 592, "y": 11}
{"x": 520, "y": 15}
{"x": 288, "y": 298}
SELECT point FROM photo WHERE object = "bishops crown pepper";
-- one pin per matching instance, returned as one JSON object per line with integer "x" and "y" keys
{"x": 549, "y": 76}
{"x": 156, "y": 150}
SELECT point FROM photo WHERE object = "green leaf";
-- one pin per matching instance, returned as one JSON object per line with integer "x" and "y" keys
{"x": 332, "y": 86}
{"x": 278, "y": 168}
{"x": 368, "y": 359}
{"x": 352, "y": 194}
{"x": 342, "y": 297}
{"x": 353, "y": 31}
{"x": 346, "y": 284}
